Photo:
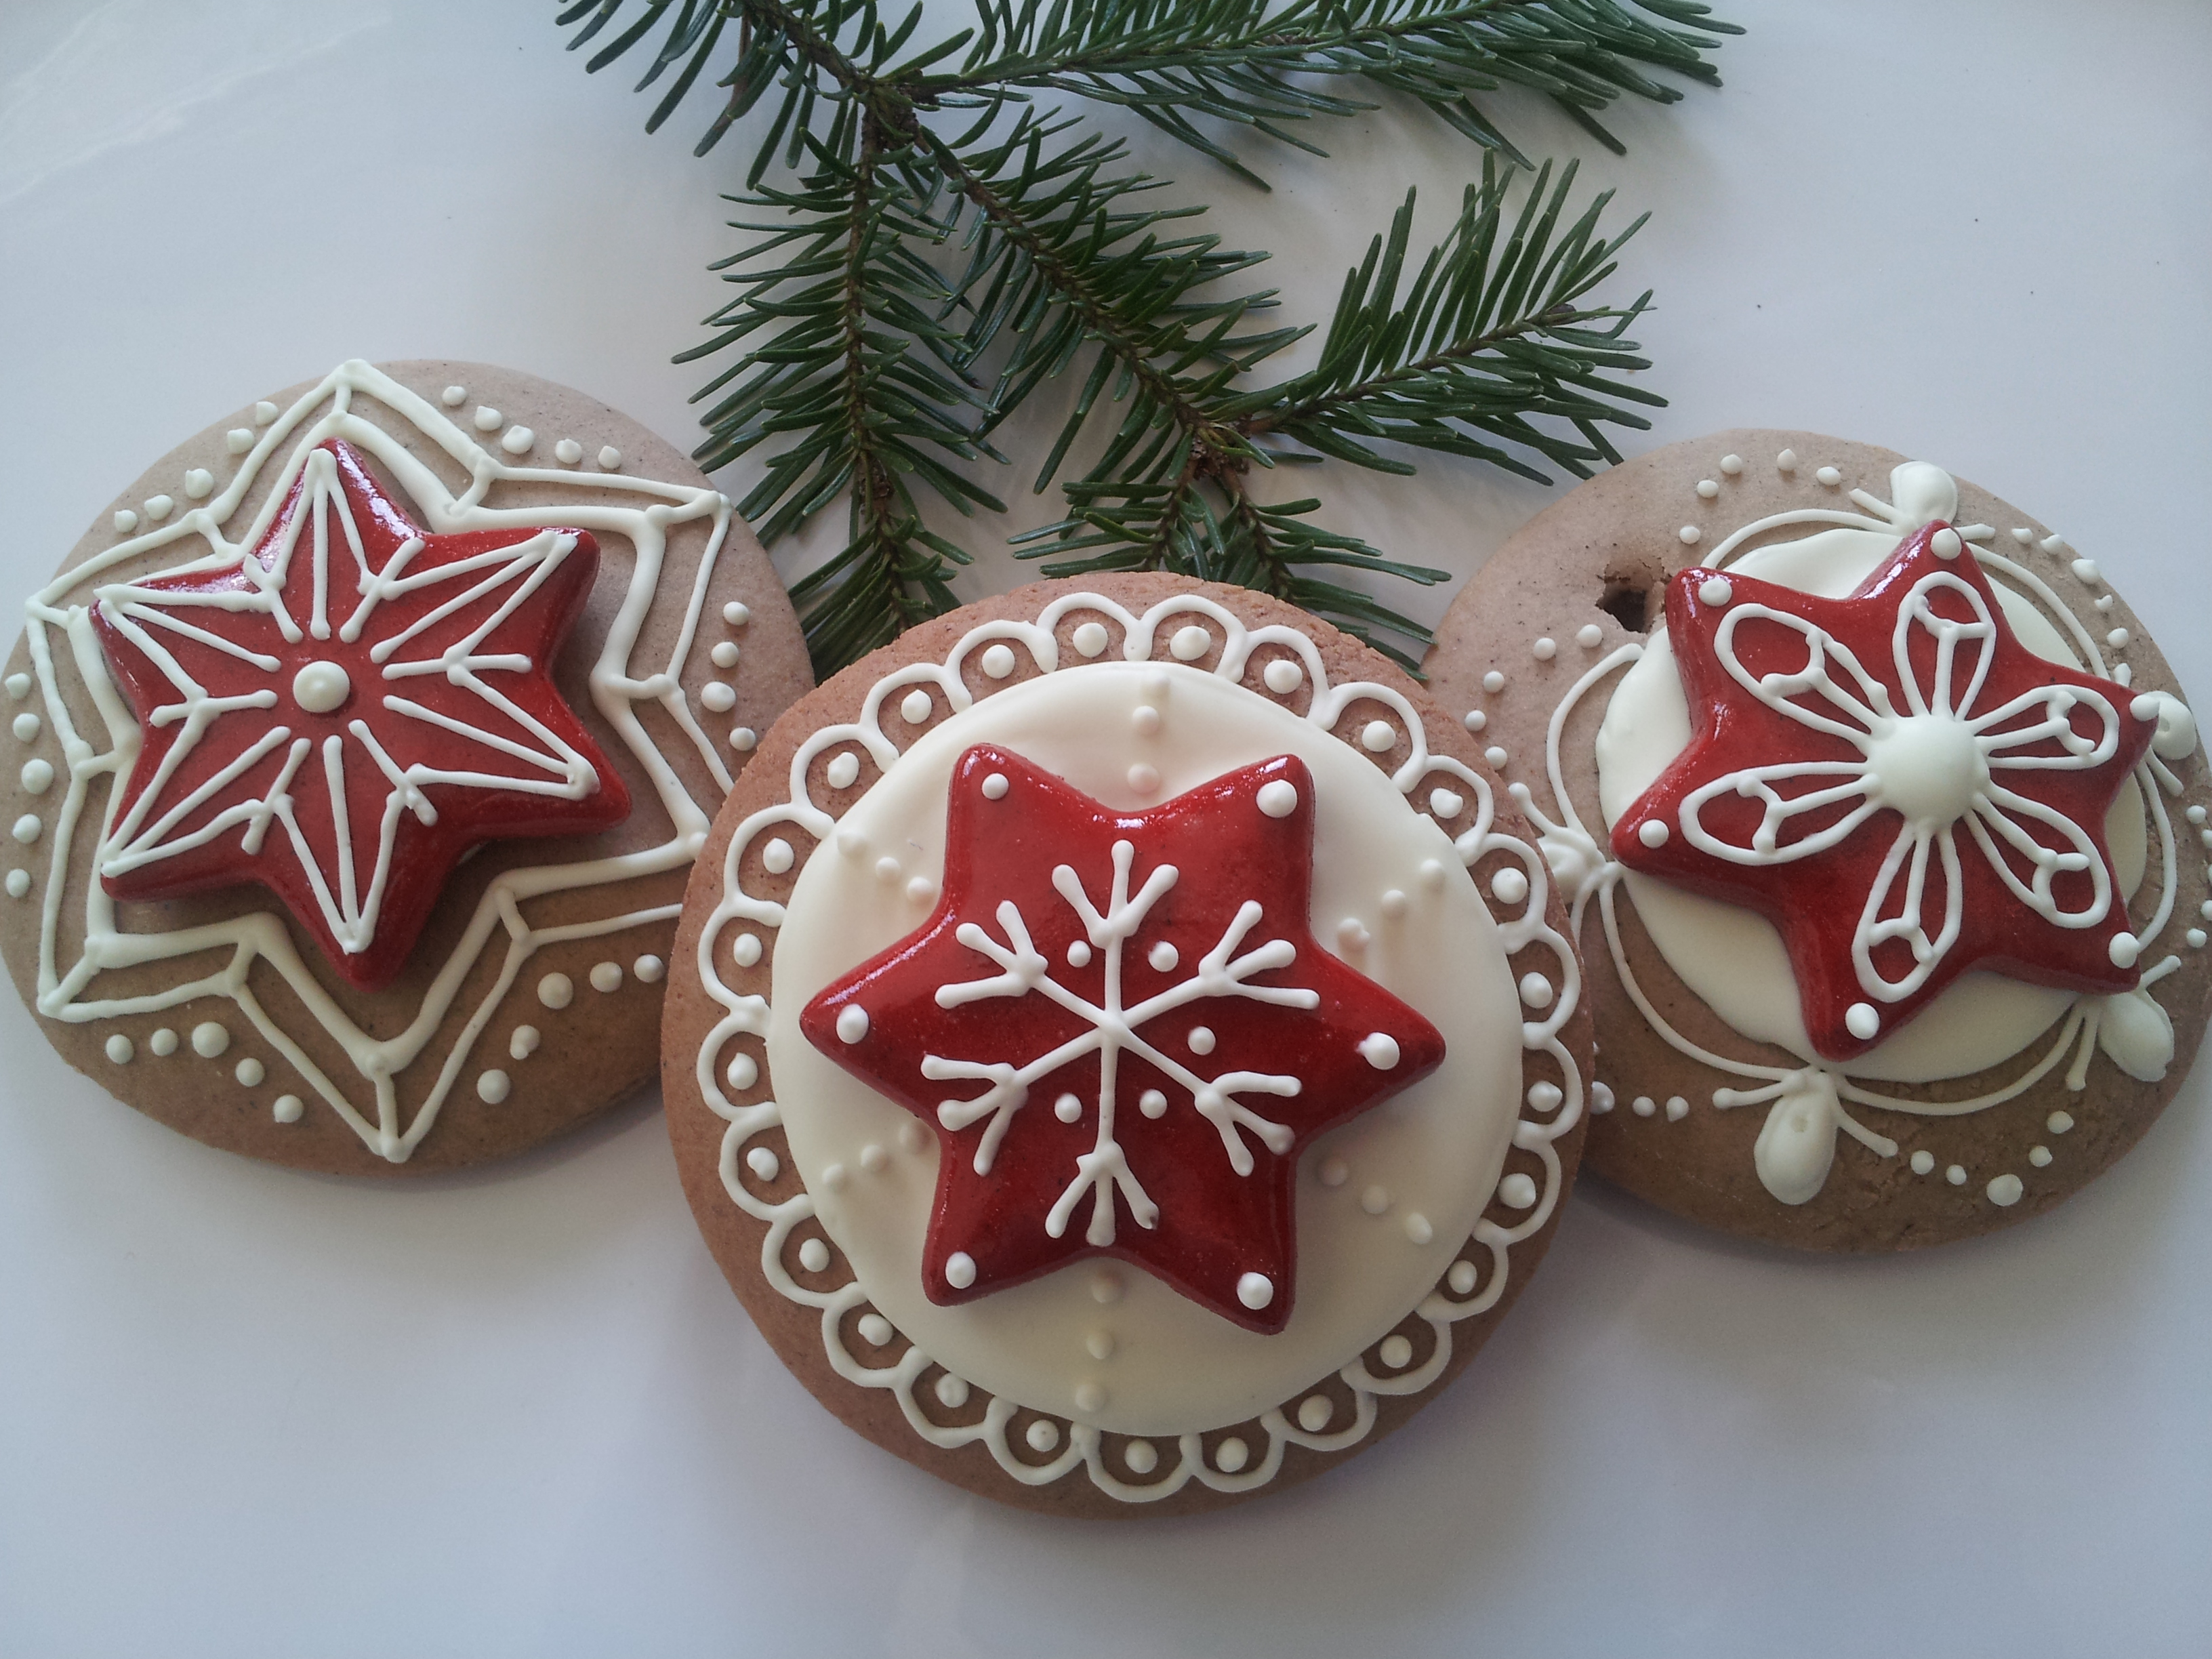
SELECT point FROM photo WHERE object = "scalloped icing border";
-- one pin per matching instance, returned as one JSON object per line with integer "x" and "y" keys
{"x": 1440, "y": 1309}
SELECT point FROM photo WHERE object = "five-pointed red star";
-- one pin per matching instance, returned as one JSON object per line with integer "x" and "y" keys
{"x": 342, "y": 714}
{"x": 1123, "y": 1031}
{"x": 1897, "y": 784}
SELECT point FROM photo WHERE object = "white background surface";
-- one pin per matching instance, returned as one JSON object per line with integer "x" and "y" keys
{"x": 243, "y": 1412}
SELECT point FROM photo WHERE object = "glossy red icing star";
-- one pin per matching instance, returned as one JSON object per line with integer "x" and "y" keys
{"x": 1897, "y": 784}
{"x": 345, "y": 711}
{"x": 1122, "y": 1032}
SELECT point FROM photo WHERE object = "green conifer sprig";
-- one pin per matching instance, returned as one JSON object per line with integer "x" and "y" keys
{"x": 944, "y": 247}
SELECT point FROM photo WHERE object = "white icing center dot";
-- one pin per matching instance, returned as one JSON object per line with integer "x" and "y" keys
{"x": 1255, "y": 1290}
{"x": 1153, "y": 1103}
{"x": 1067, "y": 1109}
{"x": 1201, "y": 1040}
{"x": 1163, "y": 957}
{"x": 1089, "y": 639}
{"x": 1929, "y": 768}
{"x": 1190, "y": 643}
{"x": 1141, "y": 1455}
{"x": 1376, "y": 737}
{"x": 321, "y": 686}
{"x": 1282, "y": 677}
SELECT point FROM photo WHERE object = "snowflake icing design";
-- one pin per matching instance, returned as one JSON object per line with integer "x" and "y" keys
{"x": 1842, "y": 746}
{"x": 1190, "y": 990}
{"x": 343, "y": 712}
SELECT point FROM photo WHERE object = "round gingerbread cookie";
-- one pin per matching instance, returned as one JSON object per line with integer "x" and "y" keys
{"x": 1884, "y": 826}
{"x": 362, "y": 749}
{"x": 1120, "y": 1051}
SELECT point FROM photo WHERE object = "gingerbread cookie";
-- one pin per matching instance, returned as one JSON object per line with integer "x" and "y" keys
{"x": 1121, "y": 1052}
{"x": 364, "y": 750}
{"x": 1884, "y": 825}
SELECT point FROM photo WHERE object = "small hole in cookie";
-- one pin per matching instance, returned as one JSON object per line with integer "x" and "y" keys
{"x": 1627, "y": 603}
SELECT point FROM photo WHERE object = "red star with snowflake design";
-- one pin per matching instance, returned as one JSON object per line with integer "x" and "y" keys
{"x": 1896, "y": 783}
{"x": 1123, "y": 1031}
{"x": 343, "y": 712}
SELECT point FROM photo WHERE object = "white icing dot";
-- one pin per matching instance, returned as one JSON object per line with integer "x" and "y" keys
{"x": 1163, "y": 957}
{"x": 1231, "y": 1454}
{"x": 995, "y": 786}
{"x": 1496, "y": 756}
{"x": 776, "y": 857}
{"x": 453, "y": 397}
{"x": 37, "y": 775}
{"x": 814, "y": 1255}
{"x": 1689, "y": 535}
{"x": 19, "y": 883}
{"x": 1654, "y": 833}
{"x": 1090, "y": 1397}
{"x": 921, "y": 890}
{"x": 1141, "y": 1456}
{"x": 1201, "y": 1040}
{"x": 1494, "y": 682}
{"x": 163, "y": 1042}
{"x": 1474, "y": 720}
{"x": 606, "y": 976}
{"x": 239, "y": 440}
{"x": 264, "y": 412}
{"x": 2124, "y": 950}
{"x": 199, "y": 483}
{"x": 1445, "y": 803}
{"x": 487, "y": 419}
{"x": 1418, "y": 1229}
{"x": 18, "y": 686}
{"x": 1396, "y": 1352}
{"x": 568, "y": 452}
{"x": 1956, "y": 1175}
{"x": 952, "y": 1391}
{"x": 2022, "y": 534}
{"x": 1380, "y": 1050}
{"x": 121, "y": 1049}
{"x": 875, "y": 1330}
{"x": 1189, "y": 643}
{"x": 1314, "y": 1411}
{"x": 1862, "y": 1020}
{"x": 1829, "y": 477}
{"x": 493, "y": 1087}
{"x": 1461, "y": 1278}
{"x": 1105, "y": 1287}
{"x": 1278, "y": 797}
{"x": 1335, "y": 1172}
{"x": 746, "y": 950}
{"x": 1677, "y": 1108}
{"x": 556, "y": 991}
{"x": 742, "y": 737}
{"x": 1731, "y": 465}
{"x": 125, "y": 521}
{"x": 844, "y": 769}
{"x": 2117, "y": 639}
{"x": 648, "y": 970}
{"x": 833, "y": 1177}
{"x": 523, "y": 1042}
{"x": 209, "y": 1039}
{"x": 1589, "y": 636}
{"x": 1043, "y": 1435}
{"x": 2194, "y": 939}
{"x": 718, "y": 697}
{"x": 742, "y": 1071}
{"x": 1716, "y": 591}
{"x": 251, "y": 1072}
{"x": 725, "y": 654}
{"x": 852, "y": 1023}
{"x": 320, "y": 687}
{"x": 1153, "y": 1103}
{"x": 516, "y": 440}
{"x": 1375, "y": 1201}
{"x": 1282, "y": 677}
{"x": 26, "y": 725}
{"x": 1510, "y": 885}
{"x": 159, "y": 508}
{"x": 1255, "y": 1290}
{"x": 610, "y": 459}
{"x": 1786, "y": 461}
{"x": 2196, "y": 815}
{"x": 2053, "y": 545}
{"x": 1600, "y": 1099}
{"x": 1643, "y": 1105}
{"x": 998, "y": 662}
{"x": 1090, "y": 638}
{"x": 1517, "y": 1192}
{"x": 1536, "y": 991}
{"x": 737, "y": 613}
{"x": 764, "y": 1164}
{"x": 1351, "y": 935}
{"x": 1145, "y": 722}
{"x": 1945, "y": 544}
{"x": 1545, "y": 1097}
{"x": 2004, "y": 1191}
{"x": 286, "y": 1108}
{"x": 1143, "y": 779}
{"x": 1067, "y": 1109}
{"x": 1922, "y": 1161}
{"x": 2059, "y": 1123}
{"x": 1707, "y": 488}
{"x": 1079, "y": 953}
{"x": 1546, "y": 649}
{"x": 2086, "y": 571}
{"x": 2039, "y": 1157}
{"x": 914, "y": 707}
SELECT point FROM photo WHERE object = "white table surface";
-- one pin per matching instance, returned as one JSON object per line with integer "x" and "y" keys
{"x": 244, "y": 1413}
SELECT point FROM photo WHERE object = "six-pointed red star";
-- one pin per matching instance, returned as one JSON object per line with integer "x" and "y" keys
{"x": 1896, "y": 783}
{"x": 344, "y": 712}
{"x": 1123, "y": 1031}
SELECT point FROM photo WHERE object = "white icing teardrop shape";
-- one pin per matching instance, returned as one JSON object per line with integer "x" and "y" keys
{"x": 1797, "y": 1144}
{"x": 2177, "y": 727}
{"x": 1922, "y": 494}
{"x": 2138, "y": 1034}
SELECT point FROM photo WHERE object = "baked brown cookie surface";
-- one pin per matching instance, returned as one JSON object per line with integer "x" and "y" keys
{"x": 1886, "y": 842}
{"x": 1119, "y": 1049}
{"x": 363, "y": 747}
